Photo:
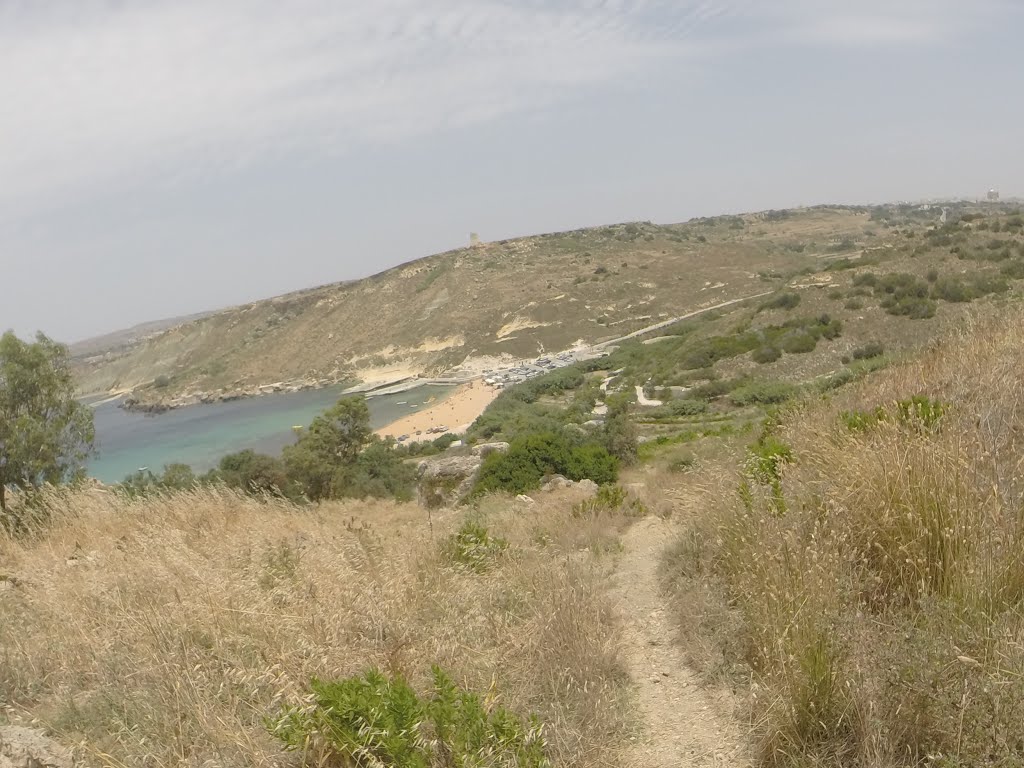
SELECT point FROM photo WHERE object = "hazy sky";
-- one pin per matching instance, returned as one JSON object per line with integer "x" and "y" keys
{"x": 165, "y": 157}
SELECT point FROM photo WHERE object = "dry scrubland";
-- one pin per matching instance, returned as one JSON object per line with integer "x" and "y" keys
{"x": 514, "y": 297}
{"x": 864, "y": 571}
{"x": 165, "y": 631}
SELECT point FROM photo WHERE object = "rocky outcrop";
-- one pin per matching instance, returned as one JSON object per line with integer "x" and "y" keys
{"x": 446, "y": 480}
{"x": 484, "y": 449}
{"x": 558, "y": 482}
{"x": 29, "y": 748}
{"x": 153, "y": 403}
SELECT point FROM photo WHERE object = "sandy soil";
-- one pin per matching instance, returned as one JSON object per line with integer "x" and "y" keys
{"x": 456, "y": 412}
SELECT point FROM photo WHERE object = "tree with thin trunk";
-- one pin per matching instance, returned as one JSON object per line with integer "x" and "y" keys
{"x": 45, "y": 433}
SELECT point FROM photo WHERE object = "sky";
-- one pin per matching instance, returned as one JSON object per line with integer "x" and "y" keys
{"x": 164, "y": 157}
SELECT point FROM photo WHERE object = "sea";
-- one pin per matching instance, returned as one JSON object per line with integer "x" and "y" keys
{"x": 200, "y": 435}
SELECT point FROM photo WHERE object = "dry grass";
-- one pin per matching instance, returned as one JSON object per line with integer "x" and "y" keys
{"x": 164, "y": 632}
{"x": 879, "y": 607}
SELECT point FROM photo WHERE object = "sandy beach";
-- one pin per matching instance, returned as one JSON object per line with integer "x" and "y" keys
{"x": 456, "y": 412}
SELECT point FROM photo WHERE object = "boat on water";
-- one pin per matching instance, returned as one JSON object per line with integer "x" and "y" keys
{"x": 401, "y": 402}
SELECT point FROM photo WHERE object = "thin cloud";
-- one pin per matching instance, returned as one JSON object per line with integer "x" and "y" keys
{"x": 96, "y": 91}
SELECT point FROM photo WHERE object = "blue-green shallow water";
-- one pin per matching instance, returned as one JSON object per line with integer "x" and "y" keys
{"x": 199, "y": 435}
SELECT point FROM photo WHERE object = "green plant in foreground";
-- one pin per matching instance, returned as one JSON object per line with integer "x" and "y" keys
{"x": 376, "y": 720}
{"x": 473, "y": 547}
{"x": 921, "y": 411}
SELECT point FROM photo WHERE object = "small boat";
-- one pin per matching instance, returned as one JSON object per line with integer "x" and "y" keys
{"x": 401, "y": 402}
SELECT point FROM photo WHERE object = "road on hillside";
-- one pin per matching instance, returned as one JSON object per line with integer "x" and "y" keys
{"x": 670, "y": 321}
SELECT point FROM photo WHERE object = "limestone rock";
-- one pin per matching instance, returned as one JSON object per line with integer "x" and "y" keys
{"x": 484, "y": 449}
{"x": 29, "y": 748}
{"x": 446, "y": 480}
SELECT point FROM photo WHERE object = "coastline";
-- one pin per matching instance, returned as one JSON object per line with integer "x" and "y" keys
{"x": 456, "y": 412}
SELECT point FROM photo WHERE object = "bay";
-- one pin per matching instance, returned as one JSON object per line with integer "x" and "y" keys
{"x": 200, "y": 435}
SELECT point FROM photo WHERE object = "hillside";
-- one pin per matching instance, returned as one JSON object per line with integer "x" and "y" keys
{"x": 817, "y": 588}
{"x": 128, "y": 337}
{"x": 509, "y": 299}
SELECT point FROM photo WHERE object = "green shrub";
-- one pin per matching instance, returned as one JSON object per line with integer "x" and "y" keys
{"x": 611, "y": 498}
{"x": 765, "y": 460}
{"x": 799, "y": 342}
{"x": 869, "y": 350}
{"x": 952, "y": 289}
{"x": 862, "y": 421}
{"x": 254, "y": 473}
{"x": 531, "y": 457}
{"x": 175, "y": 477}
{"x": 766, "y": 354}
{"x": 473, "y": 547}
{"x": 1013, "y": 269}
{"x": 914, "y": 307}
{"x": 987, "y": 284}
{"x": 921, "y": 411}
{"x": 762, "y": 393}
{"x": 854, "y": 304}
{"x": 688, "y": 407}
{"x": 785, "y": 300}
{"x": 377, "y": 720}
{"x": 869, "y": 279}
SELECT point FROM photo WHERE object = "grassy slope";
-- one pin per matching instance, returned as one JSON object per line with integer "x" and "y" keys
{"x": 869, "y": 606}
{"x": 515, "y": 297}
{"x": 165, "y": 631}
{"x": 670, "y": 357}
{"x": 870, "y": 603}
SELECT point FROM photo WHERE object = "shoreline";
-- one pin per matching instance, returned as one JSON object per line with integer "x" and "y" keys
{"x": 455, "y": 412}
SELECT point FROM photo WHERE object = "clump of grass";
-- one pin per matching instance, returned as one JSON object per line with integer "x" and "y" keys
{"x": 877, "y": 584}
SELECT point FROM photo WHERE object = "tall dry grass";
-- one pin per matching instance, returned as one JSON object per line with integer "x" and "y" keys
{"x": 165, "y": 631}
{"x": 878, "y": 608}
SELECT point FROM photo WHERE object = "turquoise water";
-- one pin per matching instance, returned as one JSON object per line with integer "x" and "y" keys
{"x": 201, "y": 434}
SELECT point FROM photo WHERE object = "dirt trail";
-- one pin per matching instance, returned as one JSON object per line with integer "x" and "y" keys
{"x": 683, "y": 724}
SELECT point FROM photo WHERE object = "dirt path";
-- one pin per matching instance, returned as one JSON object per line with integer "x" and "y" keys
{"x": 683, "y": 724}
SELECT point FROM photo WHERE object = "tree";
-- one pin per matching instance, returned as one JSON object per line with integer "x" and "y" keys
{"x": 619, "y": 432}
{"x": 254, "y": 473}
{"x": 333, "y": 441}
{"x": 45, "y": 433}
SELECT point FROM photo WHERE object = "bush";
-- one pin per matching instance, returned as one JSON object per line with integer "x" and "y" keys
{"x": 378, "y": 472}
{"x": 688, "y": 407}
{"x": 799, "y": 342}
{"x": 175, "y": 477}
{"x": 254, "y": 473}
{"x": 610, "y": 498}
{"x": 766, "y": 354}
{"x": 474, "y": 548}
{"x": 762, "y": 393}
{"x": 920, "y": 411}
{"x": 911, "y": 306}
{"x": 785, "y": 300}
{"x": 952, "y": 289}
{"x": 854, "y": 304}
{"x": 376, "y": 720}
{"x": 868, "y": 279}
{"x": 531, "y": 457}
{"x": 869, "y": 350}
{"x": 1013, "y": 270}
